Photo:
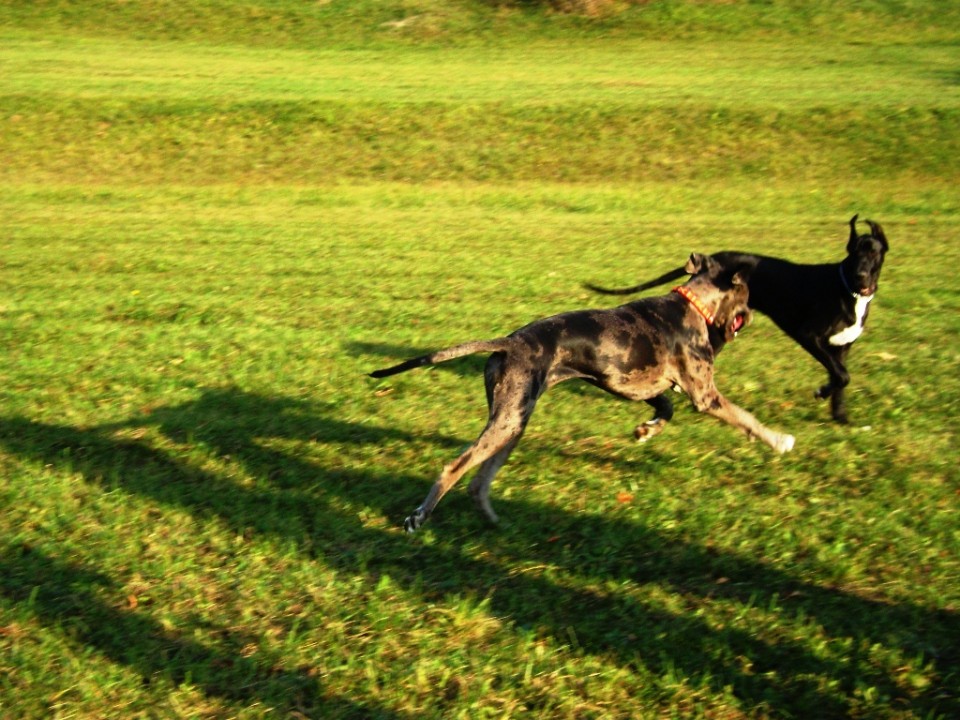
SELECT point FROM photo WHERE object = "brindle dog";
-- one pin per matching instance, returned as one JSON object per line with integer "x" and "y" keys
{"x": 637, "y": 351}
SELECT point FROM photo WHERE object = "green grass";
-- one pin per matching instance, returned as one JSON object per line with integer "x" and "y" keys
{"x": 621, "y": 111}
{"x": 215, "y": 225}
{"x": 399, "y": 23}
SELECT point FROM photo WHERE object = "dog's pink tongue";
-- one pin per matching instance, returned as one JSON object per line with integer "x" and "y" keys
{"x": 737, "y": 323}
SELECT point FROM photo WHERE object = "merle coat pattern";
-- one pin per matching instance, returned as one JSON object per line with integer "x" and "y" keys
{"x": 636, "y": 351}
{"x": 823, "y": 308}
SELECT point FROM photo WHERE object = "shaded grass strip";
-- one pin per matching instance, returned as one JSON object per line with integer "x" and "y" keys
{"x": 156, "y": 141}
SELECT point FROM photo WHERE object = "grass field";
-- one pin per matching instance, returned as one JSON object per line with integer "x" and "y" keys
{"x": 218, "y": 216}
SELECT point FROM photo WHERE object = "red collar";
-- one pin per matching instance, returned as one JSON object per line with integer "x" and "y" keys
{"x": 687, "y": 294}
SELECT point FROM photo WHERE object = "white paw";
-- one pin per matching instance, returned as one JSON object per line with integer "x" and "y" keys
{"x": 784, "y": 443}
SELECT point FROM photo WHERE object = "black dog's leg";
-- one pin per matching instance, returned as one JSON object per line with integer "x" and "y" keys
{"x": 838, "y": 403}
{"x": 833, "y": 358}
{"x": 662, "y": 414}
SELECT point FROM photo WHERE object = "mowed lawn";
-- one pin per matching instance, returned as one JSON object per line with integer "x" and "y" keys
{"x": 206, "y": 247}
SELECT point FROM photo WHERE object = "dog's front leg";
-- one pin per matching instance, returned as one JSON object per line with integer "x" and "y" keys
{"x": 662, "y": 413}
{"x": 709, "y": 400}
{"x": 838, "y": 401}
{"x": 833, "y": 358}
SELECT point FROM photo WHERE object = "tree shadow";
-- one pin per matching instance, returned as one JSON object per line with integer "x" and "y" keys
{"x": 301, "y": 501}
{"x": 950, "y": 77}
{"x": 67, "y": 595}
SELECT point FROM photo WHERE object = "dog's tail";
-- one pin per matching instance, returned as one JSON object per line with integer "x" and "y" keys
{"x": 451, "y": 353}
{"x": 675, "y": 274}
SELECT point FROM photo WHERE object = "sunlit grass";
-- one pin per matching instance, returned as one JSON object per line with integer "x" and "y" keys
{"x": 193, "y": 446}
{"x": 209, "y": 241}
{"x": 621, "y": 72}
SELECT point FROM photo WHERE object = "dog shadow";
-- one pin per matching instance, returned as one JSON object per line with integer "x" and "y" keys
{"x": 313, "y": 505}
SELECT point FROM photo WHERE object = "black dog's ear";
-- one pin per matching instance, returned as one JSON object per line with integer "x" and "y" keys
{"x": 697, "y": 263}
{"x": 877, "y": 233}
{"x": 852, "y": 242}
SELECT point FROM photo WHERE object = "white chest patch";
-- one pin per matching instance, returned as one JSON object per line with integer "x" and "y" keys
{"x": 849, "y": 334}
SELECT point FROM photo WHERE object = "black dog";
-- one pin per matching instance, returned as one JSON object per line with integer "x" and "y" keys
{"x": 636, "y": 351}
{"x": 822, "y": 307}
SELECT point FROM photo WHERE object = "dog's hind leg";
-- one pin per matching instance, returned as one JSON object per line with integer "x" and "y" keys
{"x": 512, "y": 399}
{"x": 479, "y": 488}
{"x": 480, "y": 484}
{"x": 662, "y": 414}
{"x": 497, "y": 436}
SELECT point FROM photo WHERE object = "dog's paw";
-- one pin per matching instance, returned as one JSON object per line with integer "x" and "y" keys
{"x": 413, "y": 522}
{"x": 649, "y": 429}
{"x": 784, "y": 443}
{"x": 823, "y": 392}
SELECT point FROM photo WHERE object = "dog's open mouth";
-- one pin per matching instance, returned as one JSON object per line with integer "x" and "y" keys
{"x": 738, "y": 322}
{"x": 868, "y": 291}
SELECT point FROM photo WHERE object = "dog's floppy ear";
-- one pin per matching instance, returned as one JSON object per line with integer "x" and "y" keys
{"x": 877, "y": 233}
{"x": 852, "y": 242}
{"x": 697, "y": 263}
{"x": 741, "y": 274}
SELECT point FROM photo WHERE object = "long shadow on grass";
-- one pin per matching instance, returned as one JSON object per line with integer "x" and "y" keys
{"x": 593, "y": 556}
{"x": 66, "y": 595}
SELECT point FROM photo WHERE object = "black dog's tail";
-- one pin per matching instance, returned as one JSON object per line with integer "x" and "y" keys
{"x": 443, "y": 355}
{"x": 675, "y": 274}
